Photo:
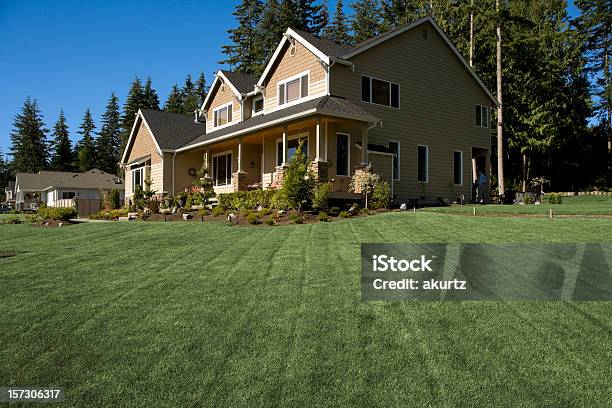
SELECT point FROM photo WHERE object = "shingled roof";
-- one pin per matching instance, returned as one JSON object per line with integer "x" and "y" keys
{"x": 325, "y": 105}
{"x": 326, "y": 46}
{"x": 172, "y": 130}
{"x": 244, "y": 83}
{"x": 93, "y": 179}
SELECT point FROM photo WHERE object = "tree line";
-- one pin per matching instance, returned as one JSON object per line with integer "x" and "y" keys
{"x": 550, "y": 71}
{"x": 32, "y": 150}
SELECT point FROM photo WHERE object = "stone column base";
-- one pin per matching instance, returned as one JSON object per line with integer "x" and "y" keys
{"x": 320, "y": 170}
{"x": 280, "y": 173}
{"x": 358, "y": 169}
{"x": 239, "y": 181}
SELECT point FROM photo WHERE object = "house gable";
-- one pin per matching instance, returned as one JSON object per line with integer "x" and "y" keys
{"x": 222, "y": 93}
{"x": 141, "y": 143}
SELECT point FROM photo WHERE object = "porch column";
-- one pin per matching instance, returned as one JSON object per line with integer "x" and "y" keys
{"x": 319, "y": 142}
{"x": 285, "y": 145}
{"x": 207, "y": 165}
{"x": 364, "y": 145}
{"x": 319, "y": 165}
{"x": 240, "y": 155}
{"x": 239, "y": 178}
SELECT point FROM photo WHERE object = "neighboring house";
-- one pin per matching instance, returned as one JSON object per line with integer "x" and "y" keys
{"x": 9, "y": 196}
{"x": 60, "y": 189}
{"x": 406, "y": 102}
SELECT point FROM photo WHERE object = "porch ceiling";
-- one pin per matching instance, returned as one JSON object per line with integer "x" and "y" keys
{"x": 325, "y": 105}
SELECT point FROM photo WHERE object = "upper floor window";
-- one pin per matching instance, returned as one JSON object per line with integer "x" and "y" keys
{"x": 482, "y": 116}
{"x": 293, "y": 88}
{"x": 380, "y": 92}
{"x": 222, "y": 115}
{"x": 258, "y": 104}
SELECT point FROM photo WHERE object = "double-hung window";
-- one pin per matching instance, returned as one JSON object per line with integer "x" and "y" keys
{"x": 137, "y": 177}
{"x": 458, "y": 168}
{"x": 222, "y": 169}
{"x": 342, "y": 154}
{"x": 395, "y": 149}
{"x": 293, "y": 88}
{"x": 482, "y": 116}
{"x": 222, "y": 115}
{"x": 380, "y": 92}
{"x": 422, "y": 164}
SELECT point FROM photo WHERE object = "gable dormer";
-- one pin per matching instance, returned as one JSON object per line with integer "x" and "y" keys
{"x": 225, "y": 103}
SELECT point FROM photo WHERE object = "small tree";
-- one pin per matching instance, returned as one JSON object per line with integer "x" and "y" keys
{"x": 298, "y": 181}
{"x": 364, "y": 181}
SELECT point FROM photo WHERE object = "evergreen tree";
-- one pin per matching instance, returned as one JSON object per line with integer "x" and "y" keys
{"x": 190, "y": 96}
{"x": 28, "y": 139}
{"x": 149, "y": 96}
{"x": 309, "y": 16}
{"x": 338, "y": 29}
{"x": 5, "y": 175}
{"x": 62, "y": 157}
{"x": 85, "y": 148}
{"x": 320, "y": 20}
{"x": 201, "y": 89}
{"x": 108, "y": 143}
{"x": 289, "y": 16}
{"x": 366, "y": 22}
{"x": 174, "y": 103}
{"x": 270, "y": 33}
{"x": 245, "y": 52}
{"x": 133, "y": 102}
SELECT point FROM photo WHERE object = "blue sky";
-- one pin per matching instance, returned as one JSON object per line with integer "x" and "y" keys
{"x": 72, "y": 54}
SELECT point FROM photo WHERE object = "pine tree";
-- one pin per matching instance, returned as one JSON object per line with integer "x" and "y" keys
{"x": 28, "y": 139}
{"x": 270, "y": 33}
{"x": 244, "y": 54}
{"x": 5, "y": 175}
{"x": 308, "y": 16}
{"x": 108, "y": 143}
{"x": 150, "y": 99}
{"x": 133, "y": 102}
{"x": 62, "y": 157}
{"x": 85, "y": 148}
{"x": 201, "y": 89}
{"x": 366, "y": 22}
{"x": 174, "y": 103}
{"x": 190, "y": 96}
{"x": 338, "y": 29}
{"x": 289, "y": 15}
{"x": 320, "y": 20}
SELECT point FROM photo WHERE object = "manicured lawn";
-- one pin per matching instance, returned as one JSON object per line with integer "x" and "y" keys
{"x": 190, "y": 314}
{"x": 574, "y": 205}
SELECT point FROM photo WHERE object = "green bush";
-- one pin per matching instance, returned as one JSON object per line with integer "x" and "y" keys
{"x": 218, "y": 211}
{"x": 334, "y": 210}
{"x": 109, "y": 215}
{"x": 270, "y": 221}
{"x": 298, "y": 181}
{"x": 31, "y": 218}
{"x": 279, "y": 201}
{"x": 246, "y": 213}
{"x": 253, "y": 218}
{"x": 57, "y": 213}
{"x": 296, "y": 218}
{"x": 12, "y": 219}
{"x": 246, "y": 200}
{"x": 320, "y": 197}
{"x": 344, "y": 214}
{"x": 381, "y": 197}
{"x": 266, "y": 211}
{"x": 323, "y": 216}
{"x": 114, "y": 199}
{"x": 202, "y": 212}
{"x": 555, "y": 198}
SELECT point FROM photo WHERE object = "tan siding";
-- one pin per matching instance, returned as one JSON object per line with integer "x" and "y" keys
{"x": 183, "y": 162}
{"x": 143, "y": 145}
{"x": 157, "y": 177}
{"x": 437, "y": 99}
{"x": 221, "y": 97}
{"x": 288, "y": 66}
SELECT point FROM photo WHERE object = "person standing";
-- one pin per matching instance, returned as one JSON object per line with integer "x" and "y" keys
{"x": 482, "y": 182}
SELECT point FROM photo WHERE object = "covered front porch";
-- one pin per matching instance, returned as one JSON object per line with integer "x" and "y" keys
{"x": 259, "y": 159}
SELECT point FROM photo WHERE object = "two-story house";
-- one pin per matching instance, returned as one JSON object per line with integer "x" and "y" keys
{"x": 406, "y": 102}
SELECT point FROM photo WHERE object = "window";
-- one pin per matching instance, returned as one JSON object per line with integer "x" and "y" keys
{"x": 292, "y": 145}
{"x": 482, "y": 116}
{"x": 137, "y": 177}
{"x": 222, "y": 169}
{"x": 423, "y": 164}
{"x": 293, "y": 89}
{"x": 395, "y": 148}
{"x": 342, "y": 154}
{"x": 458, "y": 168}
{"x": 68, "y": 195}
{"x": 222, "y": 115}
{"x": 258, "y": 104}
{"x": 380, "y": 92}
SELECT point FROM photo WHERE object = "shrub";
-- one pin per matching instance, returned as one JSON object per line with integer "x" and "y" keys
{"x": 320, "y": 196}
{"x": 270, "y": 221}
{"x": 109, "y": 215}
{"x": 266, "y": 211}
{"x": 381, "y": 197}
{"x": 343, "y": 214}
{"x": 57, "y": 213}
{"x": 202, "y": 212}
{"x": 364, "y": 181}
{"x": 218, "y": 211}
{"x": 334, "y": 210}
{"x": 246, "y": 213}
{"x": 12, "y": 219}
{"x": 323, "y": 216}
{"x": 298, "y": 181}
{"x": 246, "y": 200}
{"x": 296, "y": 218}
{"x": 114, "y": 199}
{"x": 555, "y": 198}
{"x": 279, "y": 201}
{"x": 31, "y": 218}
{"x": 253, "y": 218}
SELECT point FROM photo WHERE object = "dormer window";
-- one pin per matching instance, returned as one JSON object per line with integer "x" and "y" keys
{"x": 258, "y": 104}
{"x": 293, "y": 88}
{"x": 222, "y": 115}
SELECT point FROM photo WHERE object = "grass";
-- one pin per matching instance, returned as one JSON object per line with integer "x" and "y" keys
{"x": 191, "y": 314}
{"x": 573, "y": 205}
